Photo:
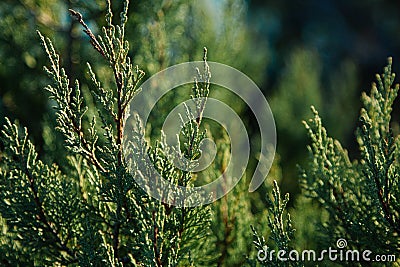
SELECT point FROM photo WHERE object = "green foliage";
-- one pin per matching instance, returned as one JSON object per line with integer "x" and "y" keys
{"x": 308, "y": 218}
{"x": 229, "y": 243}
{"x": 174, "y": 31}
{"x": 353, "y": 200}
{"x": 40, "y": 205}
{"x": 281, "y": 235}
{"x": 114, "y": 221}
{"x": 22, "y": 58}
{"x": 96, "y": 214}
{"x": 361, "y": 197}
{"x": 170, "y": 32}
{"x": 79, "y": 205}
{"x": 300, "y": 85}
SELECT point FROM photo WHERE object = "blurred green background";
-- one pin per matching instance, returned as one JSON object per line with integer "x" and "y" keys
{"x": 300, "y": 53}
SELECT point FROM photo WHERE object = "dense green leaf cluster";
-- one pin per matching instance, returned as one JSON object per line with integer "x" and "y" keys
{"x": 360, "y": 196}
{"x": 97, "y": 215}
{"x": 352, "y": 200}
